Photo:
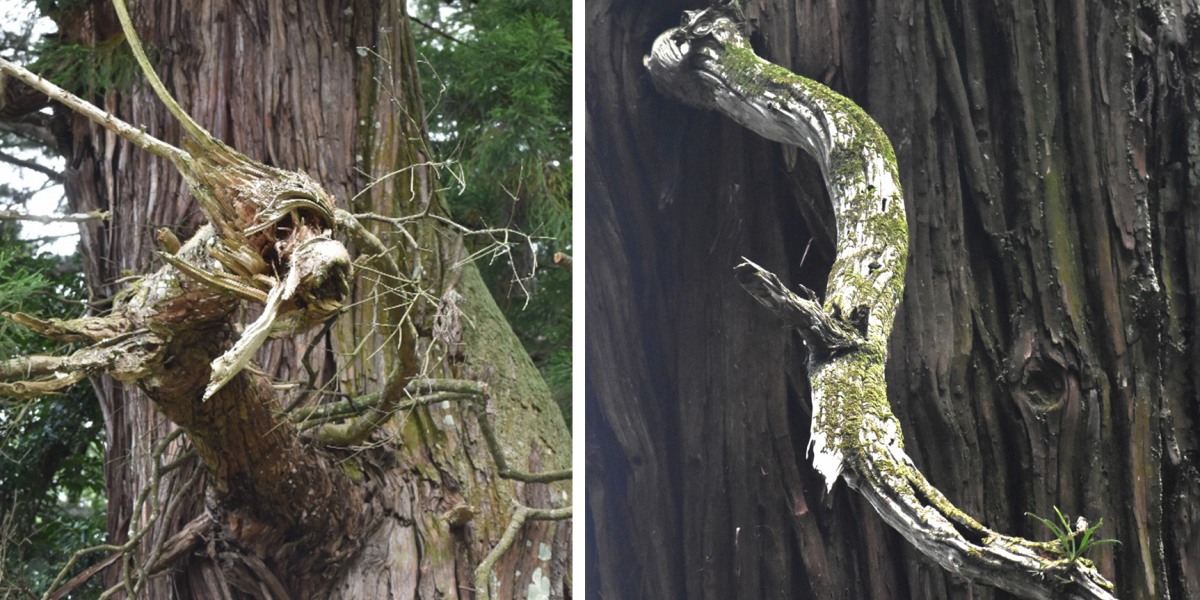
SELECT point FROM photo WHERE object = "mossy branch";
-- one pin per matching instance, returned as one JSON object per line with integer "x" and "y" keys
{"x": 357, "y": 407}
{"x": 520, "y": 516}
{"x": 374, "y": 410}
{"x": 708, "y": 62}
{"x": 502, "y": 468}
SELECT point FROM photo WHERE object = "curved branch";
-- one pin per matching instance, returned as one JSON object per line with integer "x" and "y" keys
{"x": 394, "y": 389}
{"x": 708, "y": 62}
{"x": 502, "y": 468}
{"x": 417, "y": 388}
{"x": 200, "y": 134}
{"x": 522, "y": 514}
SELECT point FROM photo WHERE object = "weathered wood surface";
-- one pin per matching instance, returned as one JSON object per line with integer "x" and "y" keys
{"x": 708, "y": 62}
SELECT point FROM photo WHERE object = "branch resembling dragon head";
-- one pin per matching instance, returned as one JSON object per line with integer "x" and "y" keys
{"x": 273, "y": 231}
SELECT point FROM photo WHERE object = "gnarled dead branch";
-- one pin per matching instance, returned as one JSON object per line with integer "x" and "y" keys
{"x": 708, "y": 62}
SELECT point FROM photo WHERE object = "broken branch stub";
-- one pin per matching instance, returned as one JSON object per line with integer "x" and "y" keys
{"x": 269, "y": 228}
{"x": 268, "y": 222}
{"x": 708, "y": 62}
{"x": 270, "y": 239}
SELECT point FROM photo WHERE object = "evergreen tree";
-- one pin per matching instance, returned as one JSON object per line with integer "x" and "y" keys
{"x": 498, "y": 104}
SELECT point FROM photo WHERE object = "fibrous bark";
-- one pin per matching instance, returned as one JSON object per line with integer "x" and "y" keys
{"x": 270, "y": 239}
{"x": 269, "y": 229}
{"x": 708, "y": 62}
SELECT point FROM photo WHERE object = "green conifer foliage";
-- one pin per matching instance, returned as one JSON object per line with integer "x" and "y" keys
{"x": 500, "y": 105}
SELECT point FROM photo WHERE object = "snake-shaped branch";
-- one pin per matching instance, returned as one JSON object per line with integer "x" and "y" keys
{"x": 708, "y": 62}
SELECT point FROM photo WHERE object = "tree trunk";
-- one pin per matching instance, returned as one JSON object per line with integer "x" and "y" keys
{"x": 331, "y": 91}
{"x": 1043, "y": 353}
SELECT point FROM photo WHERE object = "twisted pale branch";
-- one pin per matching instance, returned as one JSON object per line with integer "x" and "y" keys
{"x": 708, "y": 62}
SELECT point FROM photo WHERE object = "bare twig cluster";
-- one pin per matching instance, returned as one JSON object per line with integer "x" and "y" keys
{"x": 137, "y": 565}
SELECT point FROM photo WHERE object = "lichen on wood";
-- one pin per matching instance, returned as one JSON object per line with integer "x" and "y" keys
{"x": 270, "y": 239}
{"x": 708, "y": 62}
{"x": 270, "y": 228}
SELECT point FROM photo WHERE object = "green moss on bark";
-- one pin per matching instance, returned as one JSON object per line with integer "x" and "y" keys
{"x": 523, "y": 410}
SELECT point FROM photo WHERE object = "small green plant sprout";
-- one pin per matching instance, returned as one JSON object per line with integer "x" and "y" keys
{"x": 1073, "y": 546}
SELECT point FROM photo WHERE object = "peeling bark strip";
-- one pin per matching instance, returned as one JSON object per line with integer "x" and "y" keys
{"x": 708, "y": 62}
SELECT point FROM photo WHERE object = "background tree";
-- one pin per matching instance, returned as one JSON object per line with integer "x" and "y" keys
{"x": 1044, "y": 353}
{"x": 51, "y": 463}
{"x": 51, "y": 468}
{"x": 499, "y": 101}
{"x": 334, "y": 93}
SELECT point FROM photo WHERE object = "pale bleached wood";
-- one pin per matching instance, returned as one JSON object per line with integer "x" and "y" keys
{"x": 708, "y": 62}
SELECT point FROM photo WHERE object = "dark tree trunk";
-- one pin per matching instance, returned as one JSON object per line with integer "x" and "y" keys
{"x": 330, "y": 89}
{"x": 1044, "y": 353}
